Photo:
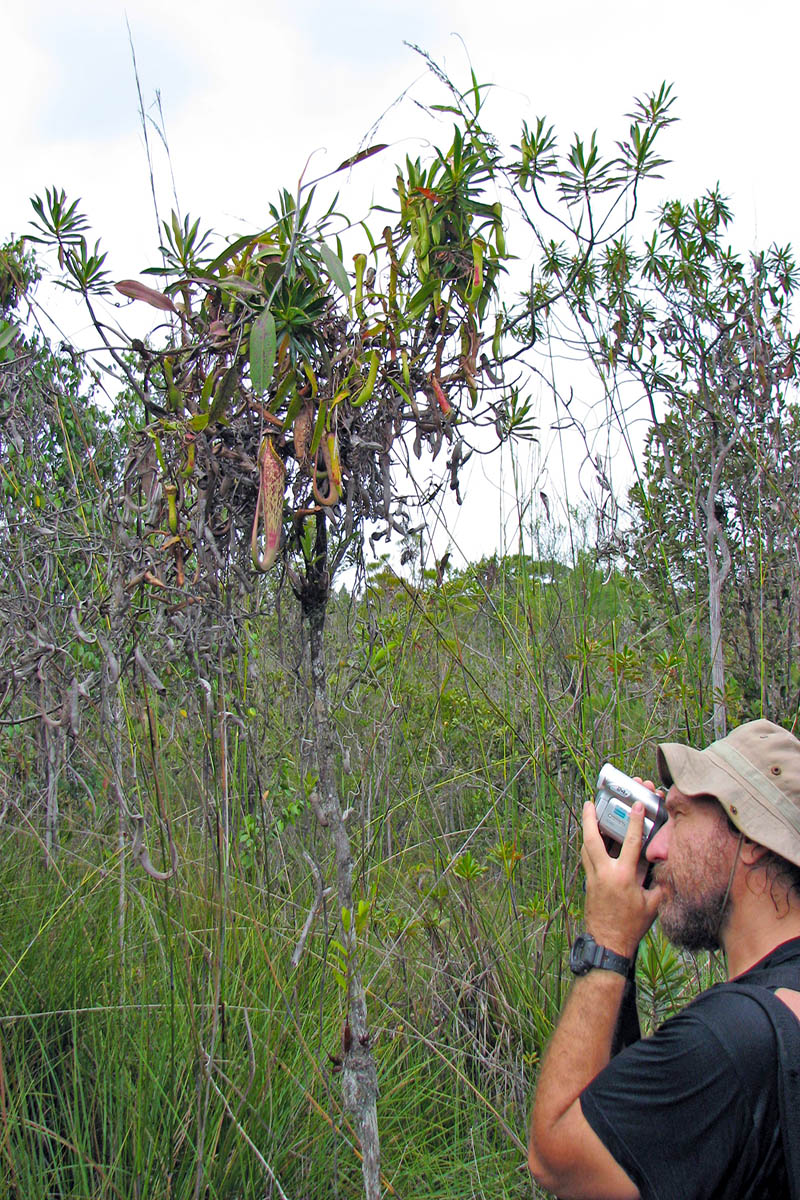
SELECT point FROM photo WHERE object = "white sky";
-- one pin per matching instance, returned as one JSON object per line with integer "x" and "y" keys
{"x": 250, "y": 89}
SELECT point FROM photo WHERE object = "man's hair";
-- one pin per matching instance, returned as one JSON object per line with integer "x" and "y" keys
{"x": 779, "y": 871}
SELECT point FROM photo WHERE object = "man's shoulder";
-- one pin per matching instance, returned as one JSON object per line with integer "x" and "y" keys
{"x": 725, "y": 1015}
{"x": 719, "y": 999}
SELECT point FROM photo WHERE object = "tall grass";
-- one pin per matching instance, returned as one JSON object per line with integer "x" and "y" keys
{"x": 192, "y": 1067}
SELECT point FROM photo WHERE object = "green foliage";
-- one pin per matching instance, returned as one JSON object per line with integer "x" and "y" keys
{"x": 18, "y": 273}
{"x": 467, "y": 868}
{"x": 666, "y": 980}
{"x": 62, "y": 225}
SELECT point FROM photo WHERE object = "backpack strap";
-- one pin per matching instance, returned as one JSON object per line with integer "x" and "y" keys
{"x": 787, "y": 1037}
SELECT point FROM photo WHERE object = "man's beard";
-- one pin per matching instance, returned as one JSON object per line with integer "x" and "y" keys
{"x": 694, "y": 924}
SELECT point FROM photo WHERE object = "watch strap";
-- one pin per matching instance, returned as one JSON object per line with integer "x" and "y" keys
{"x": 586, "y": 955}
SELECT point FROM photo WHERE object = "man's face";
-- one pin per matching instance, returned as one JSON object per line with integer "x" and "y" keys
{"x": 693, "y": 855}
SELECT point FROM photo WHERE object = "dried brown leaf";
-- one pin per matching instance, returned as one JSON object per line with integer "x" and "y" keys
{"x": 139, "y": 291}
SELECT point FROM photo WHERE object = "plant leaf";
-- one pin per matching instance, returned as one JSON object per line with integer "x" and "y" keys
{"x": 230, "y": 251}
{"x": 6, "y": 334}
{"x": 263, "y": 346}
{"x": 362, "y": 154}
{"x": 139, "y": 291}
{"x": 336, "y": 268}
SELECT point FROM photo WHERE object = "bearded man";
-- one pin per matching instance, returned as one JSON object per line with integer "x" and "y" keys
{"x": 700, "y": 1108}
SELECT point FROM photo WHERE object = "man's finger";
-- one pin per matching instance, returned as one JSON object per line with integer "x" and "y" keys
{"x": 632, "y": 845}
{"x": 593, "y": 848}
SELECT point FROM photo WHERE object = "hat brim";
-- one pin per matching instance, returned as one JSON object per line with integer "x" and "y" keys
{"x": 694, "y": 772}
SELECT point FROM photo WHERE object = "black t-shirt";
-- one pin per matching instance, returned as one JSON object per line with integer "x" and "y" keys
{"x": 692, "y": 1112}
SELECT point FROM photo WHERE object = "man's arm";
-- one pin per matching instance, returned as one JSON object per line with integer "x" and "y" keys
{"x": 565, "y": 1154}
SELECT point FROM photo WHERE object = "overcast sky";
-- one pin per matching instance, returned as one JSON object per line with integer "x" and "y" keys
{"x": 249, "y": 90}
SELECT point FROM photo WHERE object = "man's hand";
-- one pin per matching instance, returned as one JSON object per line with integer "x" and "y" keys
{"x": 618, "y": 910}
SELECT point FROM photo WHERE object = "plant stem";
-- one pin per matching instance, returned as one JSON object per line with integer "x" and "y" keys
{"x": 359, "y": 1074}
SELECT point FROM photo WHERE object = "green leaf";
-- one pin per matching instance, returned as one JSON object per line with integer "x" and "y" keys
{"x": 263, "y": 345}
{"x": 229, "y": 283}
{"x": 198, "y": 422}
{"x": 7, "y": 332}
{"x": 207, "y": 392}
{"x": 419, "y": 301}
{"x": 295, "y": 404}
{"x": 336, "y": 269}
{"x": 319, "y": 425}
{"x": 223, "y": 394}
{"x": 231, "y": 250}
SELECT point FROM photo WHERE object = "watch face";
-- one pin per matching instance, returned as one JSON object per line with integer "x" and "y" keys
{"x": 586, "y": 955}
{"x": 579, "y": 960}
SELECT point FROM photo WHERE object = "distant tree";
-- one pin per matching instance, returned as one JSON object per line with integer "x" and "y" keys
{"x": 707, "y": 336}
{"x": 755, "y": 505}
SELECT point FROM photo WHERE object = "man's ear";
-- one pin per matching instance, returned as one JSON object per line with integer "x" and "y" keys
{"x": 751, "y": 852}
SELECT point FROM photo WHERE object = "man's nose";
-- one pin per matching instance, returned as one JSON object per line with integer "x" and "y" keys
{"x": 658, "y": 845}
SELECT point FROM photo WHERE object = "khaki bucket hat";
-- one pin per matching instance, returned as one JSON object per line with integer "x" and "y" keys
{"x": 754, "y": 772}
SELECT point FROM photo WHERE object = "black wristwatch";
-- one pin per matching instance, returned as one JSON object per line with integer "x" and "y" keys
{"x": 585, "y": 955}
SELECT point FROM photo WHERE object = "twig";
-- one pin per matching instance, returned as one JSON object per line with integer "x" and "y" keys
{"x": 144, "y": 129}
{"x": 314, "y": 909}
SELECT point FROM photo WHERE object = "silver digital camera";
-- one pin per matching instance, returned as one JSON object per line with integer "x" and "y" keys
{"x": 616, "y": 794}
